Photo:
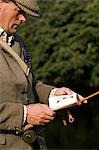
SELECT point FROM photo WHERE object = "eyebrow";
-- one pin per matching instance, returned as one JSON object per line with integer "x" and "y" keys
{"x": 20, "y": 11}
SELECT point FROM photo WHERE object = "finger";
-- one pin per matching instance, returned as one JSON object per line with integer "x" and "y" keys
{"x": 50, "y": 114}
{"x": 47, "y": 121}
{"x": 44, "y": 121}
{"x": 63, "y": 91}
{"x": 64, "y": 122}
{"x": 85, "y": 101}
{"x": 47, "y": 110}
{"x": 67, "y": 91}
{"x": 46, "y": 117}
{"x": 81, "y": 99}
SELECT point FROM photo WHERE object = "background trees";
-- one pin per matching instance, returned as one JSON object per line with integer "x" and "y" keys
{"x": 64, "y": 45}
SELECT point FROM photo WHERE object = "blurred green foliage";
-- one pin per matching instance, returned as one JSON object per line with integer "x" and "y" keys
{"x": 64, "y": 45}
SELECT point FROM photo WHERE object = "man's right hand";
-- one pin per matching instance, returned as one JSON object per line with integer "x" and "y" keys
{"x": 39, "y": 114}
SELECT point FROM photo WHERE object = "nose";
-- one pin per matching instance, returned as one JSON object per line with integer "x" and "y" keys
{"x": 22, "y": 17}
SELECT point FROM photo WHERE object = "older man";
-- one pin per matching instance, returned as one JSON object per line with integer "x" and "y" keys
{"x": 22, "y": 100}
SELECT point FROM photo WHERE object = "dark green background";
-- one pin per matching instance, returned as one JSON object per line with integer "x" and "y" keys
{"x": 64, "y": 45}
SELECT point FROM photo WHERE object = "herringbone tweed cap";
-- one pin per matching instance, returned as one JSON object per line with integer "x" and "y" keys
{"x": 29, "y": 6}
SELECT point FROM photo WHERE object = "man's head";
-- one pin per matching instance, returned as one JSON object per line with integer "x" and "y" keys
{"x": 13, "y": 13}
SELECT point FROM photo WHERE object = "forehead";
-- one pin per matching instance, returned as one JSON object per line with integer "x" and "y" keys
{"x": 9, "y": 4}
{"x": 13, "y": 6}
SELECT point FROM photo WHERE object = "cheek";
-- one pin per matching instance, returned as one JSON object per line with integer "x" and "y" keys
{"x": 11, "y": 21}
{"x": 10, "y": 17}
{"x": 6, "y": 18}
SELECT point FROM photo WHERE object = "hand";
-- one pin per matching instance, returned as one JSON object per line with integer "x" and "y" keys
{"x": 67, "y": 91}
{"x": 39, "y": 114}
{"x": 63, "y": 91}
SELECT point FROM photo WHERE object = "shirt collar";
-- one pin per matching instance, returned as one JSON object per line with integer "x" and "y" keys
{"x": 8, "y": 38}
{"x": 1, "y": 31}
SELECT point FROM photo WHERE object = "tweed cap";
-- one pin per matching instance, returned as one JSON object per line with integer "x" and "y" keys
{"x": 29, "y": 6}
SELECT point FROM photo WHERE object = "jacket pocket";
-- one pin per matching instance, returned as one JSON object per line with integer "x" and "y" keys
{"x": 2, "y": 139}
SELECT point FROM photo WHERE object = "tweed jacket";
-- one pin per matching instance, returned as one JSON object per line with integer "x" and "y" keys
{"x": 16, "y": 90}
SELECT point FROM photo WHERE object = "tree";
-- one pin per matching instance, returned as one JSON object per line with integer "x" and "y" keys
{"x": 66, "y": 39}
{"x": 64, "y": 48}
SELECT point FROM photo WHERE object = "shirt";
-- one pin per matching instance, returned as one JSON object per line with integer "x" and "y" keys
{"x": 8, "y": 38}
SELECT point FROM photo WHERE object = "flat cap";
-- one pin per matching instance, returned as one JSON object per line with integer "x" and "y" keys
{"x": 29, "y": 6}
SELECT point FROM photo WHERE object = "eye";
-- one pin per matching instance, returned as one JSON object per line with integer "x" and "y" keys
{"x": 20, "y": 12}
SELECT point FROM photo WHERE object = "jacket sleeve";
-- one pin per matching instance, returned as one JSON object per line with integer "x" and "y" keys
{"x": 43, "y": 91}
{"x": 11, "y": 115}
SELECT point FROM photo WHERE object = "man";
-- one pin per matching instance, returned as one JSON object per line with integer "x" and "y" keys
{"x": 22, "y": 100}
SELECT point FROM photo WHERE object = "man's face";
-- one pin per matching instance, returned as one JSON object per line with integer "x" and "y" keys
{"x": 11, "y": 16}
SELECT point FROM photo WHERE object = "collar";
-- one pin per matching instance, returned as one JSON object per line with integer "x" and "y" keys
{"x": 1, "y": 30}
{"x": 8, "y": 38}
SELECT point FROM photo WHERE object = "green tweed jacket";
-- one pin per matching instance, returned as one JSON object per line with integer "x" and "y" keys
{"x": 15, "y": 91}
